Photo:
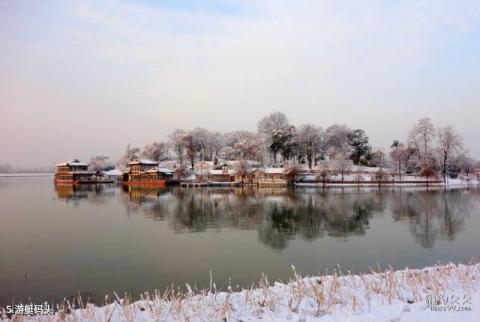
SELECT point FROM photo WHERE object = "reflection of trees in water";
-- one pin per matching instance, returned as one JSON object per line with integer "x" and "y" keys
{"x": 280, "y": 215}
{"x": 277, "y": 214}
{"x": 433, "y": 214}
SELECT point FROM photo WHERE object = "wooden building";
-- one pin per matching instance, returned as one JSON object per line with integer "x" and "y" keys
{"x": 270, "y": 177}
{"x": 224, "y": 175}
{"x": 147, "y": 172}
{"x": 73, "y": 172}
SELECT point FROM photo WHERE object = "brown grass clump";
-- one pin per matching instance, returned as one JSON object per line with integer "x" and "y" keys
{"x": 305, "y": 296}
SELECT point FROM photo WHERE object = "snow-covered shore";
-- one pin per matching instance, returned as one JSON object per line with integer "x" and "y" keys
{"x": 441, "y": 293}
{"x": 410, "y": 181}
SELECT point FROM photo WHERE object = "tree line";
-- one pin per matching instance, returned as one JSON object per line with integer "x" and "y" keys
{"x": 427, "y": 150}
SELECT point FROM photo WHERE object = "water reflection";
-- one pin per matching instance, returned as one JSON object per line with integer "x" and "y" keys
{"x": 282, "y": 215}
{"x": 92, "y": 193}
{"x": 433, "y": 214}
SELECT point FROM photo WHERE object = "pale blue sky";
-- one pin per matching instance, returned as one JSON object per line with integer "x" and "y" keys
{"x": 81, "y": 78}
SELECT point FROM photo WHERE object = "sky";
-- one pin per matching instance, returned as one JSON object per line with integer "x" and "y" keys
{"x": 85, "y": 78}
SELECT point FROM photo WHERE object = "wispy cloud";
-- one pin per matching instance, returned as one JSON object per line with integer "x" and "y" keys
{"x": 152, "y": 66}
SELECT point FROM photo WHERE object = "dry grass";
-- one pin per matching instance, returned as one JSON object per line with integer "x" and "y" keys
{"x": 309, "y": 296}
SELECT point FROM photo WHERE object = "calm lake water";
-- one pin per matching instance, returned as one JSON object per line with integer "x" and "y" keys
{"x": 100, "y": 239}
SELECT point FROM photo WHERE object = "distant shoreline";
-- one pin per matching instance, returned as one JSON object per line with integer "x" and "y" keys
{"x": 27, "y": 174}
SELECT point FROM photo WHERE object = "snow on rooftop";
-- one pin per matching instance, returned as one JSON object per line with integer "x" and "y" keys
{"x": 220, "y": 172}
{"x": 165, "y": 170}
{"x": 170, "y": 164}
{"x": 274, "y": 170}
{"x": 144, "y": 161}
{"x": 162, "y": 170}
{"x": 114, "y": 172}
{"x": 73, "y": 162}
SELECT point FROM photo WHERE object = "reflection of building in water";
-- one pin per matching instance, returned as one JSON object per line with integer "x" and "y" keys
{"x": 138, "y": 194}
{"x": 71, "y": 192}
{"x": 92, "y": 193}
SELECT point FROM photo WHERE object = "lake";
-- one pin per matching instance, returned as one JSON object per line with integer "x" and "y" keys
{"x": 99, "y": 239}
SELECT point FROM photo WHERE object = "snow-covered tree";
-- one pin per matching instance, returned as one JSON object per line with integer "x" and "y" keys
{"x": 421, "y": 137}
{"x": 211, "y": 143}
{"x": 341, "y": 164}
{"x": 399, "y": 153}
{"x": 242, "y": 145}
{"x": 242, "y": 168}
{"x": 466, "y": 164}
{"x": 201, "y": 136}
{"x": 100, "y": 163}
{"x": 360, "y": 147}
{"x": 449, "y": 145}
{"x": 177, "y": 143}
{"x": 192, "y": 147}
{"x": 309, "y": 137}
{"x": 336, "y": 140}
{"x": 131, "y": 153}
{"x": 324, "y": 171}
{"x": 269, "y": 126}
{"x": 157, "y": 151}
{"x": 283, "y": 142}
{"x": 379, "y": 161}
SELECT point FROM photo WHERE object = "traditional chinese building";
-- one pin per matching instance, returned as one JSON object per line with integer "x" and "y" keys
{"x": 73, "y": 172}
{"x": 147, "y": 172}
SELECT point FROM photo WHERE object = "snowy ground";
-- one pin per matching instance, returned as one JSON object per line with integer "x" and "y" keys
{"x": 441, "y": 293}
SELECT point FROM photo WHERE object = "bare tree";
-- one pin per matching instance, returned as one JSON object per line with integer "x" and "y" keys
{"x": 428, "y": 169}
{"x": 180, "y": 172}
{"x": 201, "y": 137}
{"x": 242, "y": 145}
{"x": 131, "y": 153}
{"x": 178, "y": 144}
{"x": 421, "y": 137}
{"x": 292, "y": 171}
{"x": 192, "y": 146}
{"x": 324, "y": 172}
{"x": 358, "y": 176}
{"x": 157, "y": 151}
{"x": 379, "y": 160}
{"x": 450, "y": 143}
{"x": 242, "y": 168}
{"x": 342, "y": 164}
{"x": 399, "y": 154}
